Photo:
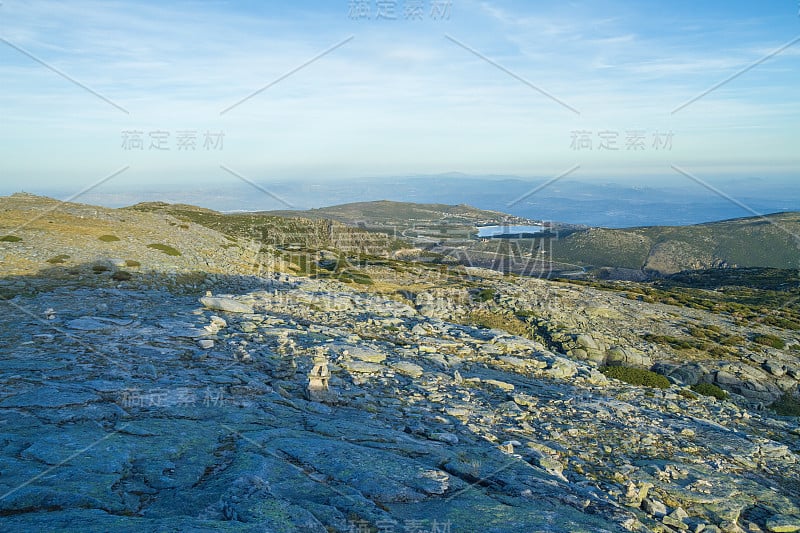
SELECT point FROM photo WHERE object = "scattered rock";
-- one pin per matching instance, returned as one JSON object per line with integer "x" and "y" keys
{"x": 229, "y": 305}
{"x": 783, "y": 524}
{"x": 408, "y": 369}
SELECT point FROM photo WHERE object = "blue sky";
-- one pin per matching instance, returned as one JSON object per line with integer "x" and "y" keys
{"x": 479, "y": 87}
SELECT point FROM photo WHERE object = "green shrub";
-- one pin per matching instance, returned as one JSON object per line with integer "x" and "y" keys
{"x": 121, "y": 275}
{"x": 686, "y": 393}
{"x": 772, "y": 341}
{"x": 10, "y": 238}
{"x": 788, "y": 405}
{"x": 99, "y": 269}
{"x": 363, "y": 280}
{"x": 130, "y": 263}
{"x": 733, "y": 340}
{"x": 636, "y": 376}
{"x": 169, "y": 250}
{"x": 58, "y": 260}
{"x": 718, "y": 351}
{"x": 709, "y": 389}
{"x": 484, "y": 295}
{"x": 109, "y": 238}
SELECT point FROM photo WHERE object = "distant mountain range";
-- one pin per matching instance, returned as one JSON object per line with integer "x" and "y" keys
{"x": 672, "y": 200}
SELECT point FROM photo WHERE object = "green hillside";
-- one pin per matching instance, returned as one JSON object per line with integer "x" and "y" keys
{"x": 772, "y": 241}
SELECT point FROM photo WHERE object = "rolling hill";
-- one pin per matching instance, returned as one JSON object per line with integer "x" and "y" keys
{"x": 769, "y": 241}
{"x": 403, "y": 213}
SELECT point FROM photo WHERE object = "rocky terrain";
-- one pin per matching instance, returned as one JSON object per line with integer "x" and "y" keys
{"x": 167, "y": 388}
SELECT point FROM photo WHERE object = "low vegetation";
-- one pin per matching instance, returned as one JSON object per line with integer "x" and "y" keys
{"x": 58, "y": 259}
{"x": 131, "y": 263}
{"x": 109, "y": 238}
{"x": 787, "y": 405}
{"x": 636, "y": 376}
{"x": 773, "y": 341}
{"x": 485, "y": 295}
{"x": 169, "y": 250}
{"x": 121, "y": 275}
{"x": 714, "y": 347}
{"x": 354, "y": 276}
{"x": 502, "y": 321}
{"x": 10, "y": 238}
{"x": 709, "y": 389}
{"x": 686, "y": 393}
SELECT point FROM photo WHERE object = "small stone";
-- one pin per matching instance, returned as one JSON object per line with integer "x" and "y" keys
{"x": 675, "y": 519}
{"x": 367, "y": 355}
{"x": 730, "y": 527}
{"x": 679, "y": 513}
{"x": 248, "y": 327}
{"x": 228, "y": 305}
{"x": 562, "y": 369}
{"x": 674, "y": 522}
{"x": 551, "y": 465}
{"x": 508, "y": 387}
{"x": 654, "y": 508}
{"x": 445, "y": 437}
{"x": 205, "y": 344}
{"x": 408, "y": 369}
{"x": 219, "y": 322}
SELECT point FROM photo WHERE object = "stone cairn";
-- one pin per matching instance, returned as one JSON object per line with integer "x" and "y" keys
{"x": 318, "y": 389}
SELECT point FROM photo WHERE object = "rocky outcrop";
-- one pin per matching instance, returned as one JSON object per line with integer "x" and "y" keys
{"x": 453, "y": 425}
{"x": 282, "y": 403}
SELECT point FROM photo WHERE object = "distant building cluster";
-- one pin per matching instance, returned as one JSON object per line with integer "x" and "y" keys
{"x": 399, "y": 9}
{"x": 612, "y": 140}
{"x": 161, "y": 140}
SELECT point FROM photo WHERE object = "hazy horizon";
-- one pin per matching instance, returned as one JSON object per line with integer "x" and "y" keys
{"x": 140, "y": 94}
{"x": 596, "y": 203}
